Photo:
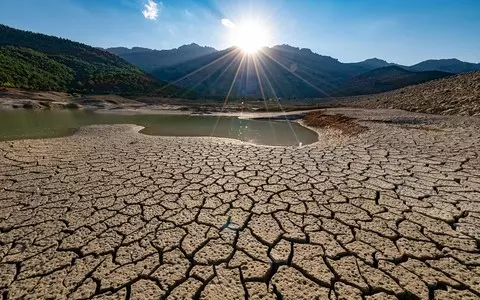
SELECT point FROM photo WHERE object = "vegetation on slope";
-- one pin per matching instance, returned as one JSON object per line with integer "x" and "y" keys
{"x": 26, "y": 68}
{"x": 37, "y": 61}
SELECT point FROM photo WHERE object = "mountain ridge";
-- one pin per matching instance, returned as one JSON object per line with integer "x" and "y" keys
{"x": 149, "y": 59}
{"x": 452, "y": 65}
{"x": 288, "y": 72}
{"x": 372, "y": 62}
{"x": 302, "y": 73}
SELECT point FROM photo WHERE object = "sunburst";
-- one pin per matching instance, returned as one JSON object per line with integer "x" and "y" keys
{"x": 251, "y": 36}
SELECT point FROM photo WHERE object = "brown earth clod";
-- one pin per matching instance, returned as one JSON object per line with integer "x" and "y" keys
{"x": 346, "y": 125}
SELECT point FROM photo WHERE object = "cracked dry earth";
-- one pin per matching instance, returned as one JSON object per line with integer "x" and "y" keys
{"x": 109, "y": 213}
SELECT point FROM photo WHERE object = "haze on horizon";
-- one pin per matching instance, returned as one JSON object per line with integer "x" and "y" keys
{"x": 400, "y": 31}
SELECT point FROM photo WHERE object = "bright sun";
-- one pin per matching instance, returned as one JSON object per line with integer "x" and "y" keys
{"x": 250, "y": 36}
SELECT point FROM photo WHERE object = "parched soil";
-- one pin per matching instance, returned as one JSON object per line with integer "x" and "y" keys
{"x": 109, "y": 213}
{"x": 347, "y": 125}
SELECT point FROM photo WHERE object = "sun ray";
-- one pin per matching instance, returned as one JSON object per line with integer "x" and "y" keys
{"x": 228, "y": 67}
{"x": 233, "y": 81}
{"x": 281, "y": 107}
{"x": 294, "y": 74}
{"x": 260, "y": 84}
{"x": 237, "y": 54}
{"x": 265, "y": 66}
{"x": 308, "y": 68}
{"x": 229, "y": 93}
{"x": 173, "y": 83}
{"x": 258, "y": 77}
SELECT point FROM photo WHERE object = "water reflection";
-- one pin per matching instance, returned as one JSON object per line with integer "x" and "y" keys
{"x": 20, "y": 124}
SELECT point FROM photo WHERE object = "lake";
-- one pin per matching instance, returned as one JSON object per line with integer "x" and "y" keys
{"x": 23, "y": 124}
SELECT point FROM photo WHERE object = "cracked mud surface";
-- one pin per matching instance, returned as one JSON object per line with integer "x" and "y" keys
{"x": 112, "y": 214}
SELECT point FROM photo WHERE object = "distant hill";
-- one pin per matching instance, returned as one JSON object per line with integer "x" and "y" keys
{"x": 446, "y": 65}
{"x": 37, "y": 61}
{"x": 123, "y": 50}
{"x": 148, "y": 59}
{"x": 459, "y": 94}
{"x": 288, "y": 72}
{"x": 285, "y": 72}
{"x": 372, "y": 63}
{"x": 282, "y": 73}
{"x": 387, "y": 79}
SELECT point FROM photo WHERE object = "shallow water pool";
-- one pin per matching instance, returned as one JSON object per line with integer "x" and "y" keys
{"x": 23, "y": 124}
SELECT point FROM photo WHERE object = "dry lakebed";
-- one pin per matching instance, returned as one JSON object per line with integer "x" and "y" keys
{"x": 107, "y": 212}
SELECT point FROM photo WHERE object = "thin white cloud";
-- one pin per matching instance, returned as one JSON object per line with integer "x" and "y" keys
{"x": 188, "y": 13}
{"x": 151, "y": 10}
{"x": 228, "y": 23}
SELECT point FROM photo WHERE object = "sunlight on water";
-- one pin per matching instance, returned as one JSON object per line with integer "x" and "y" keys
{"x": 21, "y": 124}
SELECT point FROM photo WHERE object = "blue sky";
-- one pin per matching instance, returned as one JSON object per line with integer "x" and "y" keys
{"x": 402, "y": 31}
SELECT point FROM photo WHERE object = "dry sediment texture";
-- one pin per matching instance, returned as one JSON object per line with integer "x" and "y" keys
{"x": 112, "y": 214}
{"x": 454, "y": 95}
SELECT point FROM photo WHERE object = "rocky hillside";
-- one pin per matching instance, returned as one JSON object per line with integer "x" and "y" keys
{"x": 458, "y": 94}
{"x": 387, "y": 79}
